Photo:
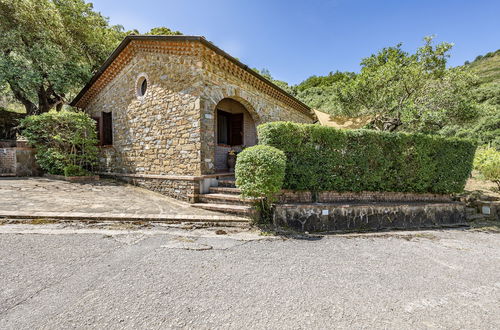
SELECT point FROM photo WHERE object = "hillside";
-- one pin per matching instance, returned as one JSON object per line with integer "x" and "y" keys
{"x": 486, "y": 129}
{"x": 487, "y": 67}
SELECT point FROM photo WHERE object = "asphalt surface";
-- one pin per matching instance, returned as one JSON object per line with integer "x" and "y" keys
{"x": 58, "y": 277}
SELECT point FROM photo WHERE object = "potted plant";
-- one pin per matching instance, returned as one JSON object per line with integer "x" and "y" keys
{"x": 231, "y": 159}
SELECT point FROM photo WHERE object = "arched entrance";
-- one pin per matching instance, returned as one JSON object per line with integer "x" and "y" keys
{"x": 235, "y": 129}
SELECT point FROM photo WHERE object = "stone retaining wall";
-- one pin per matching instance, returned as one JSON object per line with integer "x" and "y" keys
{"x": 185, "y": 189}
{"x": 7, "y": 161}
{"x": 16, "y": 159}
{"x": 375, "y": 216}
{"x": 292, "y": 196}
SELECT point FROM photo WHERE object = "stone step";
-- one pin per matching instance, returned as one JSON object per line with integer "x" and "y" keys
{"x": 227, "y": 183}
{"x": 243, "y": 210}
{"x": 225, "y": 199}
{"x": 225, "y": 190}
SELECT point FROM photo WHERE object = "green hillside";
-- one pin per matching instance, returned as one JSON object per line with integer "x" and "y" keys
{"x": 486, "y": 129}
{"x": 487, "y": 67}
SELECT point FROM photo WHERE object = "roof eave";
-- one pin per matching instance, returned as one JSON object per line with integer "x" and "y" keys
{"x": 205, "y": 42}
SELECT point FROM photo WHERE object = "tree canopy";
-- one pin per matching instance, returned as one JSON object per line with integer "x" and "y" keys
{"x": 50, "y": 49}
{"x": 414, "y": 92}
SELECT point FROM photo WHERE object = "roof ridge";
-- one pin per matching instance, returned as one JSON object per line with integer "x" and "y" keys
{"x": 200, "y": 39}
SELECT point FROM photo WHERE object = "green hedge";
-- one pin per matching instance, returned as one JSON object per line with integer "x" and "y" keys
{"x": 323, "y": 158}
{"x": 260, "y": 171}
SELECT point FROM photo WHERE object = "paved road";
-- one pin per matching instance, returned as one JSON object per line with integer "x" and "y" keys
{"x": 56, "y": 277}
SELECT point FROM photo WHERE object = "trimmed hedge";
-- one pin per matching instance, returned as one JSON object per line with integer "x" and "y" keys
{"x": 260, "y": 171}
{"x": 323, "y": 158}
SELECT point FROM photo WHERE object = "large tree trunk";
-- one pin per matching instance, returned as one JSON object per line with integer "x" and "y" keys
{"x": 47, "y": 100}
{"x": 386, "y": 124}
{"x": 31, "y": 108}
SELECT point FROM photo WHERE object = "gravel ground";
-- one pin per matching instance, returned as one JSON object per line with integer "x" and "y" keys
{"x": 56, "y": 276}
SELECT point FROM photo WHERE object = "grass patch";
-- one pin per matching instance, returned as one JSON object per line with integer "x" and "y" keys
{"x": 488, "y": 226}
{"x": 41, "y": 221}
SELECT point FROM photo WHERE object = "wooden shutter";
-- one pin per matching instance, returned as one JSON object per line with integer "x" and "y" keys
{"x": 236, "y": 129}
{"x": 222, "y": 127}
{"x": 107, "y": 129}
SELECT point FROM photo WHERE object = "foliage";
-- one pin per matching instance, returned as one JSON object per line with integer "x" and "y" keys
{"x": 260, "y": 171}
{"x": 319, "y": 92}
{"x": 413, "y": 92}
{"x": 164, "y": 31}
{"x": 487, "y": 163}
{"x": 485, "y": 129}
{"x": 487, "y": 67}
{"x": 50, "y": 48}
{"x": 324, "y": 158}
{"x": 259, "y": 174}
{"x": 65, "y": 142}
{"x": 281, "y": 84}
{"x": 157, "y": 31}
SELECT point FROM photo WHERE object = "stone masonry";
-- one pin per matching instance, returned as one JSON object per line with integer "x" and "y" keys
{"x": 171, "y": 129}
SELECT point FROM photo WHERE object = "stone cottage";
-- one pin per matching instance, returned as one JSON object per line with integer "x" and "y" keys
{"x": 170, "y": 108}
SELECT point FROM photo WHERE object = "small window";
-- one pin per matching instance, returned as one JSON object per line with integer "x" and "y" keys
{"x": 141, "y": 85}
{"x": 104, "y": 129}
{"x": 144, "y": 87}
{"x": 107, "y": 129}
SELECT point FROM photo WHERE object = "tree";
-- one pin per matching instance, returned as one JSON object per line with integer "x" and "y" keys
{"x": 414, "y": 92}
{"x": 158, "y": 31}
{"x": 319, "y": 91}
{"x": 49, "y": 48}
{"x": 280, "y": 83}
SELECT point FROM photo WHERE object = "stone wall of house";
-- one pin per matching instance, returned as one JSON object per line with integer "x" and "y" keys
{"x": 221, "y": 84}
{"x": 158, "y": 133}
{"x": 171, "y": 130}
{"x": 249, "y": 132}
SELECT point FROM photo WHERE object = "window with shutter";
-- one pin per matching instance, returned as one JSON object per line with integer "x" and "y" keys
{"x": 222, "y": 127}
{"x": 236, "y": 129}
{"x": 107, "y": 129}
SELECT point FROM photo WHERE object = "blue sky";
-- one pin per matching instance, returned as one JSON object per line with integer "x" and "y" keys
{"x": 297, "y": 39}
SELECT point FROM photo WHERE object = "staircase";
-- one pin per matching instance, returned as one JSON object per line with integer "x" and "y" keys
{"x": 226, "y": 198}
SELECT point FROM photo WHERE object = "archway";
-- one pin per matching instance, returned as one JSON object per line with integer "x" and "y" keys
{"x": 235, "y": 129}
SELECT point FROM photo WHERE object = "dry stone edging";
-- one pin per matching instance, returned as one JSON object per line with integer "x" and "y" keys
{"x": 226, "y": 220}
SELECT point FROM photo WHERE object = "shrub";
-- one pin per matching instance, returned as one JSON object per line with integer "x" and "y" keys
{"x": 487, "y": 163}
{"x": 260, "y": 171}
{"x": 65, "y": 141}
{"x": 323, "y": 158}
